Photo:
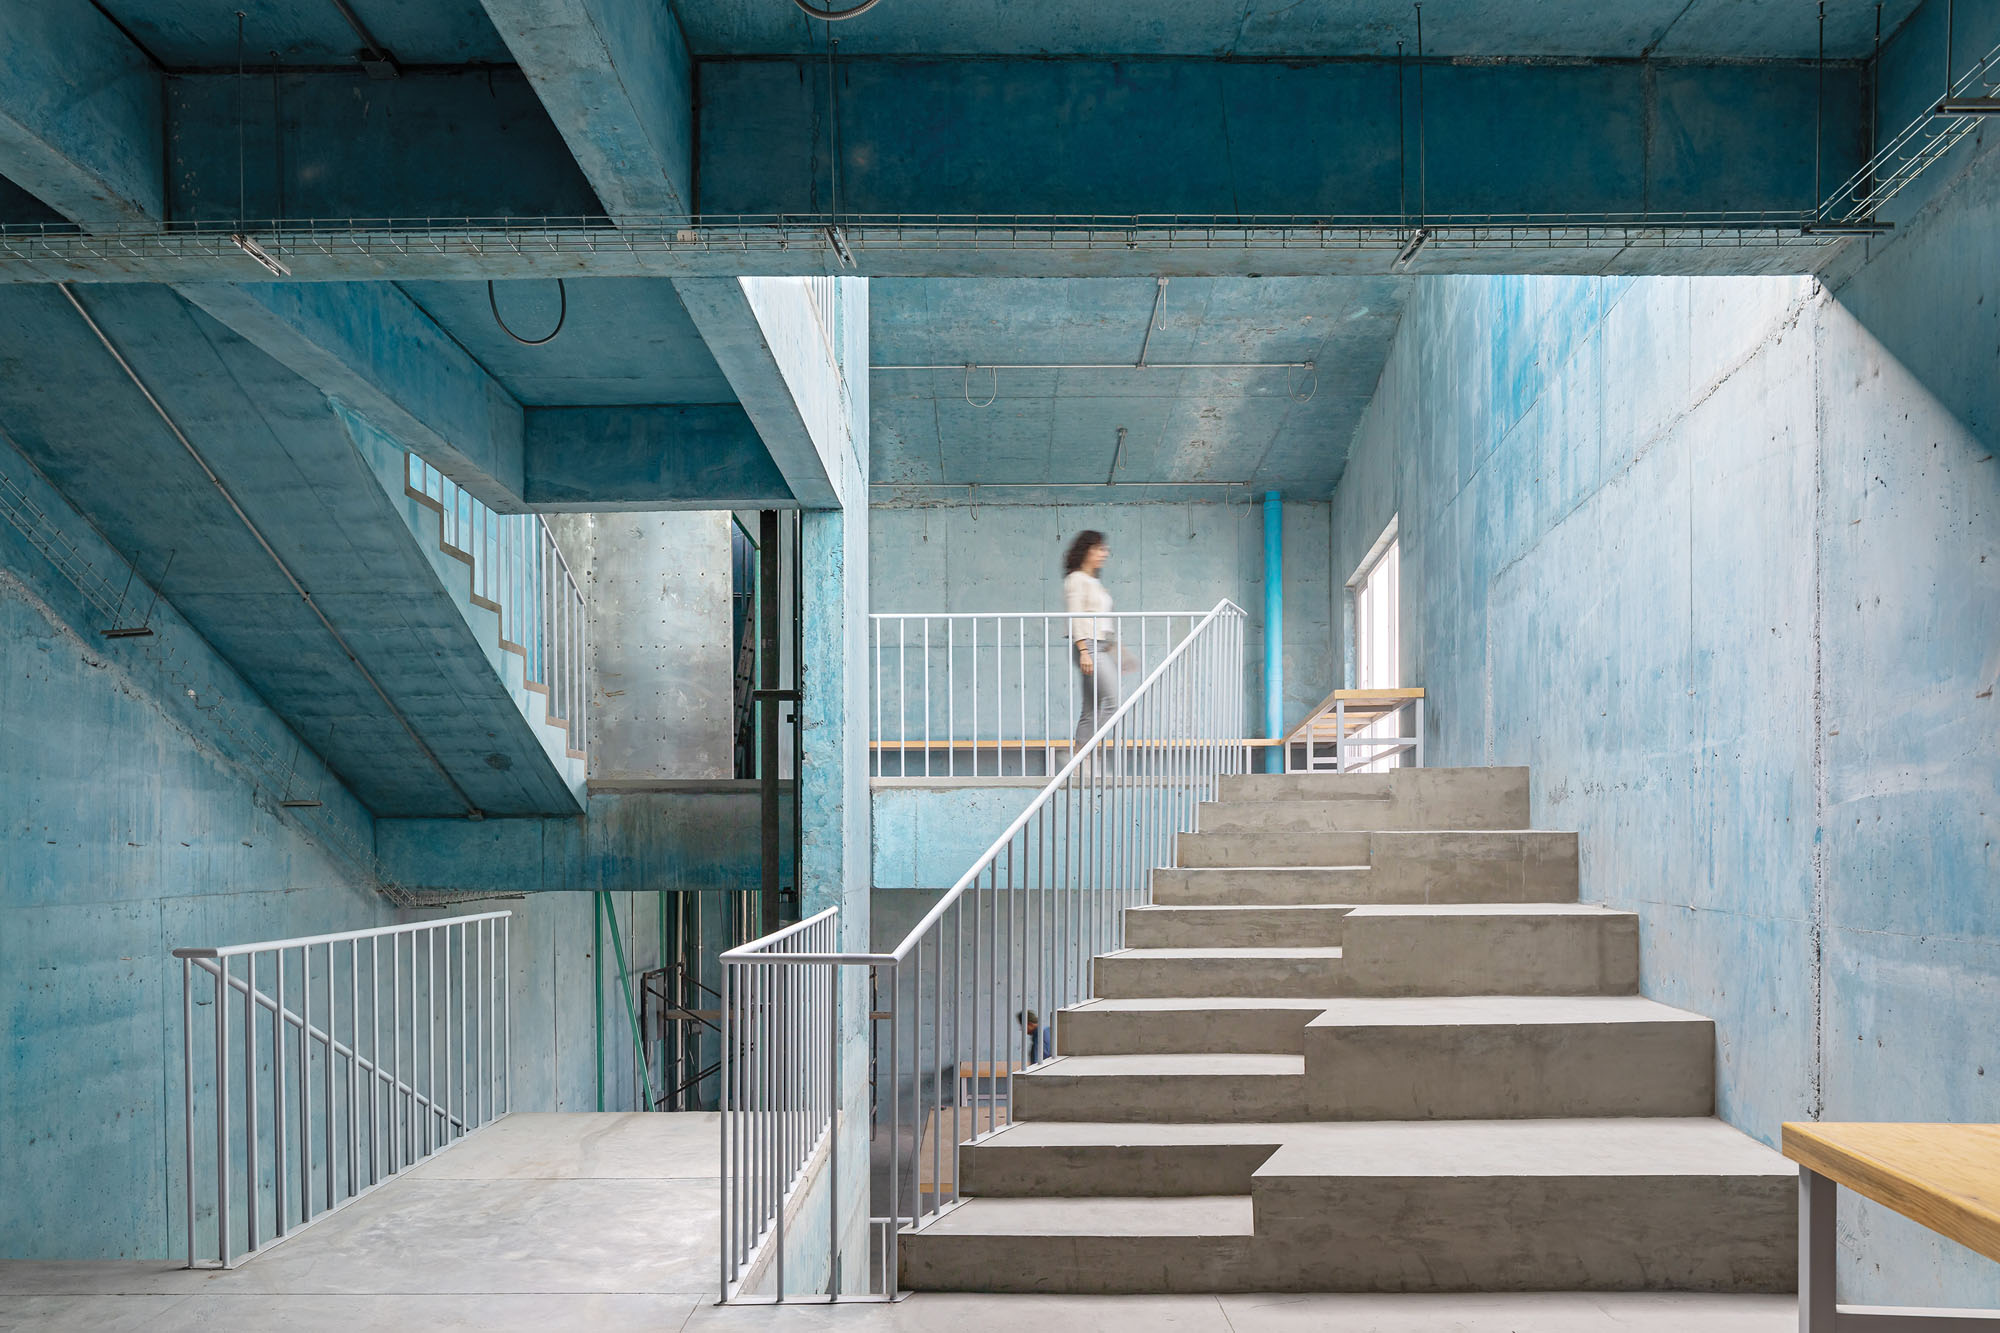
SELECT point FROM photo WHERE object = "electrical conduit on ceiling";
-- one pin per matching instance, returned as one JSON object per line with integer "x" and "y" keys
{"x": 472, "y": 810}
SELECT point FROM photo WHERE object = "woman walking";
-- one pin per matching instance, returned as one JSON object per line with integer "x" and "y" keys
{"x": 1093, "y": 632}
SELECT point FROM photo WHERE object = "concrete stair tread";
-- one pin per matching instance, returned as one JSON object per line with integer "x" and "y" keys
{"x": 1198, "y": 1003}
{"x": 1243, "y": 907}
{"x": 1231, "y": 1065}
{"x": 1195, "y": 1215}
{"x": 1045, "y": 1134}
{"x": 1486, "y": 909}
{"x": 1497, "y": 1011}
{"x": 1618, "y": 1146}
{"x": 1279, "y": 870}
{"x": 1326, "y": 951}
{"x": 1613, "y": 1146}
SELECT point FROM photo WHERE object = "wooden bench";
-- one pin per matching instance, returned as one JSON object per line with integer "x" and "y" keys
{"x": 937, "y": 1158}
{"x": 1339, "y": 722}
{"x": 1946, "y": 1177}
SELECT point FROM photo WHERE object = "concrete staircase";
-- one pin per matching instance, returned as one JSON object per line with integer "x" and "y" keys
{"x": 1366, "y": 1039}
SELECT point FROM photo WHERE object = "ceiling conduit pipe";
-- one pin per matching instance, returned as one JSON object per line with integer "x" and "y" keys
{"x": 472, "y": 810}
{"x": 1274, "y": 630}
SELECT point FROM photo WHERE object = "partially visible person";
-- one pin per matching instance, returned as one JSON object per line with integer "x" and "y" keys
{"x": 1093, "y": 632}
{"x": 1038, "y": 1037}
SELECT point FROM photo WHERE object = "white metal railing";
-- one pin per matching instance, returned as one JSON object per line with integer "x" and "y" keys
{"x": 328, "y": 1064}
{"x": 781, "y": 1094}
{"x": 991, "y": 694}
{"x": 1968, "y": 102}
{"x": 1359, "y": 731}
{"x": 1016, "y": 934}
{"x": 519, "y": 572}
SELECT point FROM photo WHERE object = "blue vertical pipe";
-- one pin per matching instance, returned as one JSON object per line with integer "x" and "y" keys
{"x": 1274, "y": 629}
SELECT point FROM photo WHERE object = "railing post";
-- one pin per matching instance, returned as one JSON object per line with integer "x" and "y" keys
{"x": 221, "y": 1110}
{"x": 187, "y": 1097}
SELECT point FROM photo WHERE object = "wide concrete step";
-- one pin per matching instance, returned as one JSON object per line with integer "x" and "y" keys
{"x": 1494, "y": 1057}
{"x": 1307, "y": 847}
{"x": 1631, "y": 1204}
{"x": 1262, "y": 1025}
{"x": 1440, "y": 866}
{"x": 1489, "y": 949}
{"x": 1684, "y": 1204}
{"x": 1293, "y": 886}
{"x": 1448, "y": 798}
{"x": 1161, "y": 1087}
{"x": 1100, "y": 1245}
{"x": 1140, "y": 973}
{"x": 1233, "y": 926}
{"x": 1080, "y": 1159}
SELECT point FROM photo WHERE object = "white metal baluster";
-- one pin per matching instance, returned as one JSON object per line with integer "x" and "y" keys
{"x": 187, "y": 1099}
{"x": 305, "y": 1085}
{"x": 375, "y": 1059}
{"x": 222, "y": 1109}
{"x": 327, "y": 1129}
{"x": 1021, "y": 632}
{"x": 399, "y": 1140}
{"x": 250, "y": 1174}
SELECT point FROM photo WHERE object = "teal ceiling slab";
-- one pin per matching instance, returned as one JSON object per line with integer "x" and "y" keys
{"x": 1268, "y": 426}
{"x": 623, "y": 340}
{"x": 1729, "y": 29}
{"x": 201, "y": 34}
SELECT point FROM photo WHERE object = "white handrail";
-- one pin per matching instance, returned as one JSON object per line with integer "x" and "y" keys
{"x": 970, "y": 694}
{"x": 521, "y": 574}
{"x": 1014, "y": 936}
{"x": 369, "y": 1114}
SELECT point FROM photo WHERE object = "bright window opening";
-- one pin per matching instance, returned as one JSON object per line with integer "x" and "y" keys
{"x": 1378, "y": 657}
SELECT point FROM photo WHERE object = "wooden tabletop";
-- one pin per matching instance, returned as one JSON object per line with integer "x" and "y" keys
{"x": 1944, "y": 1176}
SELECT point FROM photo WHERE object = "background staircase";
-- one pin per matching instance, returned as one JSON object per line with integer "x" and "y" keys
{"x": 1366, "y": 1039}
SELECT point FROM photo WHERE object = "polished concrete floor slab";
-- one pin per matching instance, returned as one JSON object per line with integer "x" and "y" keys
{"x": 607, "y": 1223}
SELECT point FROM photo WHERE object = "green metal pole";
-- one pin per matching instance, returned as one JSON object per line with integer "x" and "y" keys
{"x": 597, "y": 983}
{"x": 631, "y": 1014}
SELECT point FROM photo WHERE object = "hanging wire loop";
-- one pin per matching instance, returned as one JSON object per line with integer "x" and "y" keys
{"x": 562, "y": 316}
{"x": 991, "y": 395}
{"x": 836, "y": 15}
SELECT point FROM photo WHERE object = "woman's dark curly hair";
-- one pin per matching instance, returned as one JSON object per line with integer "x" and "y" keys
{"x": 1078, "y": 549}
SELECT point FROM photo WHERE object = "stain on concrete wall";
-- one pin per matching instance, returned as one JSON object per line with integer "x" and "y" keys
{"x": 1720, "y": 560}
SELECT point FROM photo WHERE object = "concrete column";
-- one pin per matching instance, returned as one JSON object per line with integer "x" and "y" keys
{"x": 1274, "y": 628}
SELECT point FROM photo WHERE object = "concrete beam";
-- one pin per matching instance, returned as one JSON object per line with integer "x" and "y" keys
{"x": 616, "y": 77}
{"x": 374, "y": 349}
{"x": 686, "y": 456}
{"x": 81, "y": 126}
{"x": 1326, "y": 139}
{"x": 763, "y": 347}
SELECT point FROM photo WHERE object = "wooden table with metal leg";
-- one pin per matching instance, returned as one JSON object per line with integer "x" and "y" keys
{"x": 1946, "y": 1177}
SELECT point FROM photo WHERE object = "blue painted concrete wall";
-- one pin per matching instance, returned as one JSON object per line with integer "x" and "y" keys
{"x": 927, "y": 834}
{"x": 139, "y": 790}
{"x": 1720, "y": 560}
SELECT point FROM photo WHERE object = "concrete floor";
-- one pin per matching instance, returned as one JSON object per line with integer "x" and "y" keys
{"x": 607, "y": 1222}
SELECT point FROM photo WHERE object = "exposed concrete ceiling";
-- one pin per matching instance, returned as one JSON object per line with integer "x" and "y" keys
{"x": 624, "y": 340}
{"x": 1275, "y": 427}
{"x": 201, "y": 34}
{"x": 185, "y": 34}
{"x": 1729, "y": 29}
